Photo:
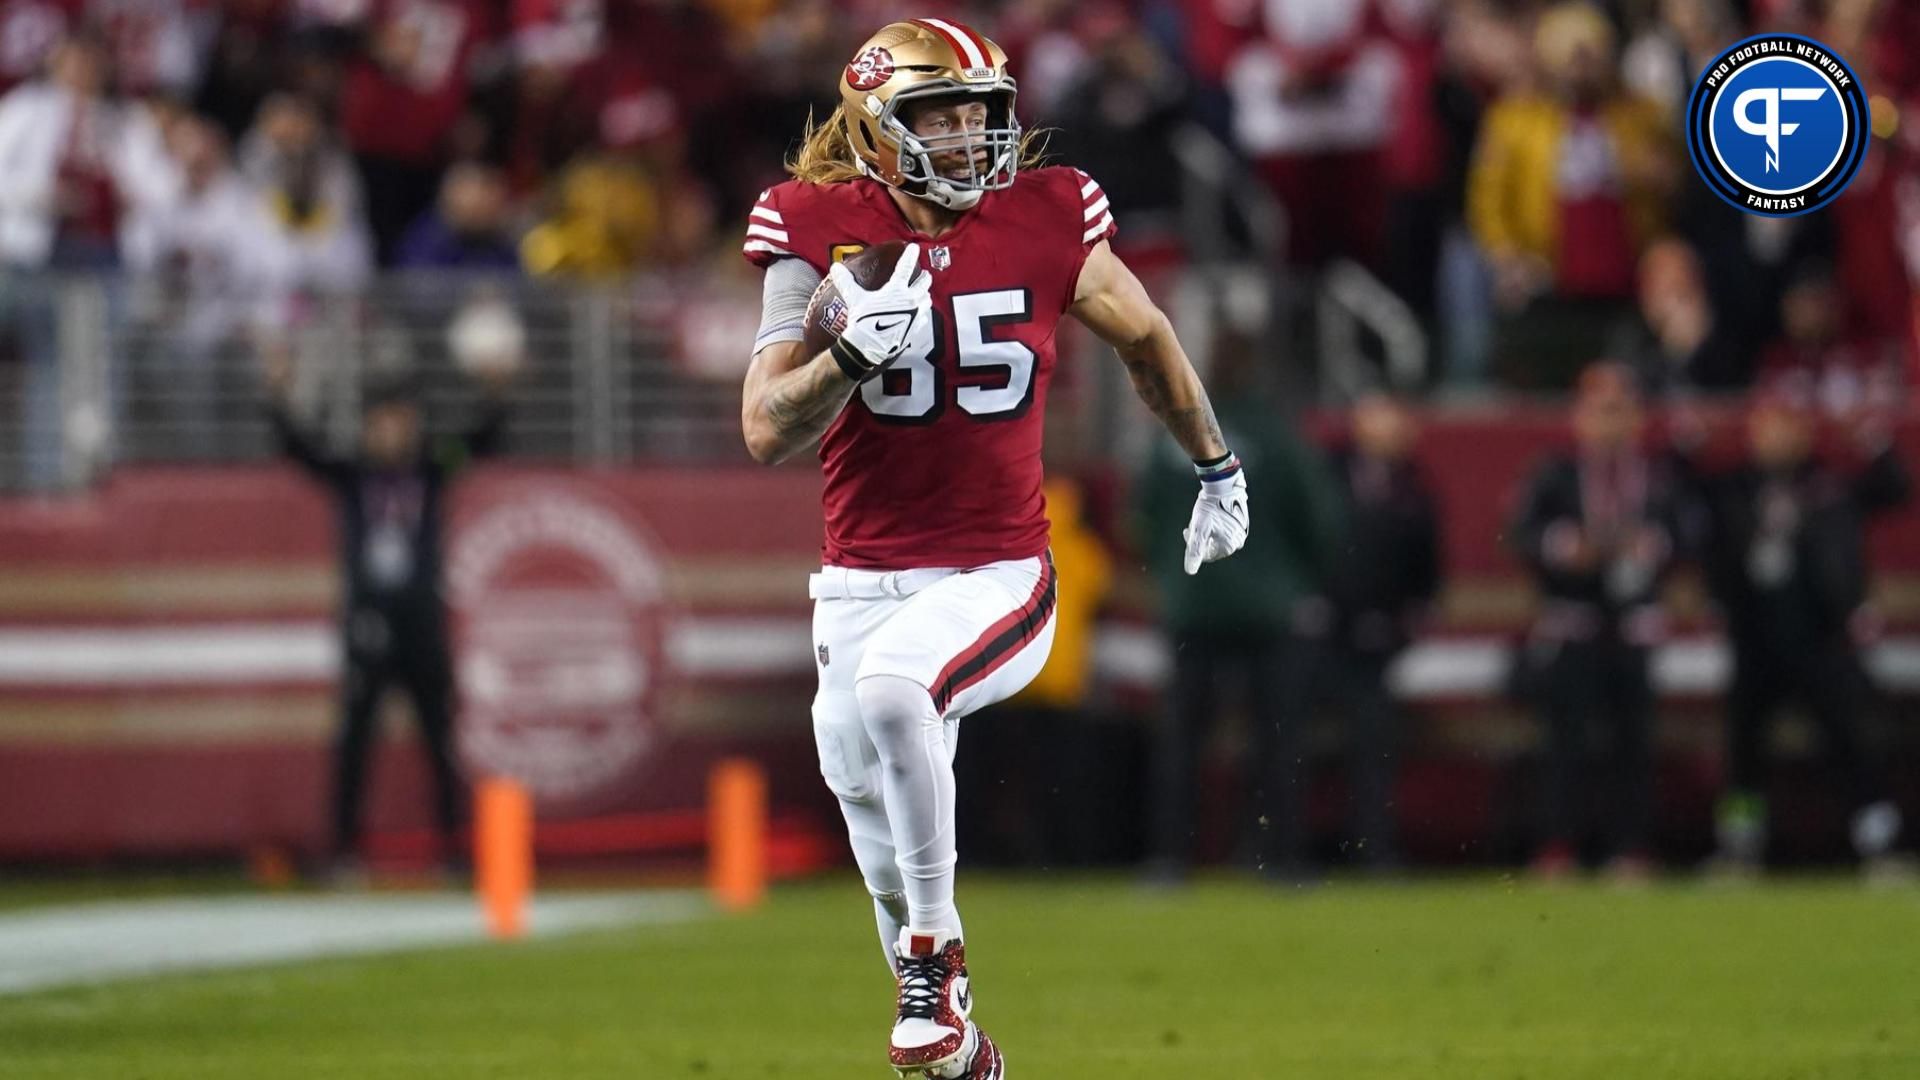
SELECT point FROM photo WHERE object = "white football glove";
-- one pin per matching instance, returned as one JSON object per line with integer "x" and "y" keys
{"x": 1220, "y": 519}
{"x": 880, "y": 321}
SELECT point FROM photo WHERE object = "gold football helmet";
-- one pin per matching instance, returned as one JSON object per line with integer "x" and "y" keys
{"x": 913, "y": 61}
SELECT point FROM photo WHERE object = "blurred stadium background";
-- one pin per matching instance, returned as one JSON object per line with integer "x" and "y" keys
{"x": 1332, "y": 198}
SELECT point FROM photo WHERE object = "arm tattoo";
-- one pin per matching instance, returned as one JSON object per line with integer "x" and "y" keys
{"x": 804, "y": 402}
{"x": 1181, "y": 404}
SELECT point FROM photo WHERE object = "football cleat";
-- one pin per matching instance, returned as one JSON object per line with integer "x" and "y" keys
{"x": 987, "y": 1062}
{"x": 980, "y": 1060}
{"x": 930, "y": 1028}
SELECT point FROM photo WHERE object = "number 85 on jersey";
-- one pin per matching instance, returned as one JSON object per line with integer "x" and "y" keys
{"x": 1000, "y": 370}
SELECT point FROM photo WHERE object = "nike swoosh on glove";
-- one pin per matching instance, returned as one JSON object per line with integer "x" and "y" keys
{"x": 880, "y": 321}
{"x": 1220, "y": 519}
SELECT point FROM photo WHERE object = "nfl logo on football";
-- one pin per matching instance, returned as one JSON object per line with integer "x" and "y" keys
{"x": 940, "y": 257}
{"x": 833, "y": 318}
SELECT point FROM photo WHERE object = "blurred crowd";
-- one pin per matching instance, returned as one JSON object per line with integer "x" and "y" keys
{"x": 1511, "y": 168}
{"x": 1771, "y": 512}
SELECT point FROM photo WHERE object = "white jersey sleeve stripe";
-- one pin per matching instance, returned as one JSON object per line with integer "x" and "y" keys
{"x": 756, "y": 229}
{"x": 1087, "y": 189}
{"x": 1094, "y": 210}
{"x": 762, "y": 245}
{"x": 768, "y": 213}
{"x": 1097, "y": 228}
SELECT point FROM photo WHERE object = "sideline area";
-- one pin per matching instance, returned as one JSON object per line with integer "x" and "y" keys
{"x": 46, "y": 947}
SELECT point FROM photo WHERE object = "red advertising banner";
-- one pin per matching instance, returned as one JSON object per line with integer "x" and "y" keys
{"x": 168, "y": 646}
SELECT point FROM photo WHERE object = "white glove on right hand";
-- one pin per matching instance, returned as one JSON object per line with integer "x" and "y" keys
{"x": 880, "y": 321}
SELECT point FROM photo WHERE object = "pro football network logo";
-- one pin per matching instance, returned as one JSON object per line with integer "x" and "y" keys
{"x": 870, "y": 69}
{"x": 1777, "y": 125}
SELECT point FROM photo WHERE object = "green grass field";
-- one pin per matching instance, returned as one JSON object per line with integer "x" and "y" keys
{"x": 1476, "y": 979}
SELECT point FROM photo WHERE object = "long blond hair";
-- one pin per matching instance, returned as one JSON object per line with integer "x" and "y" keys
{"x": 826, "y": 157}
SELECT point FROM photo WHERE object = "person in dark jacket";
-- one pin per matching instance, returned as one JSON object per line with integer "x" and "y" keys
{"x": 387, "y": 499}
{"x": 1786, "y": 562}
{"x": 1600, "y": 528}
{"x": 1232, "y": 623}
{"x": 1382, "y": 577}
{"x": 467, "y": 229}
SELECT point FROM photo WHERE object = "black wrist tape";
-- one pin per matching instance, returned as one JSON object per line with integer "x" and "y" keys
{"x": 852, "y": 364}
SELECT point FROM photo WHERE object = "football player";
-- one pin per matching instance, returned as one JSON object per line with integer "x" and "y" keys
{"x": 936, "y": 591}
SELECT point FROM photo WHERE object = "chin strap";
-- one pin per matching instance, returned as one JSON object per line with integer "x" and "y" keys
{"x": 952, "y": 200}
{"x": 948, "y": 197}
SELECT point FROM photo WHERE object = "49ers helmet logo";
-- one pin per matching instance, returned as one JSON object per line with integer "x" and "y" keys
{"x": 870, "y": 68}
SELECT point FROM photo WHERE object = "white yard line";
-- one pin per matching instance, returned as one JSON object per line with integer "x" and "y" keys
{"x": 100, "y": 942}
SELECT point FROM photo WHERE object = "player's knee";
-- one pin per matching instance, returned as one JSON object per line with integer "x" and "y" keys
{"x": 846, "y": 761}
{"x": 894, "y": 710}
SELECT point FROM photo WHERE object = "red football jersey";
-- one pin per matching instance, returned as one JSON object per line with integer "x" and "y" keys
{"x": 408, "y": 114}
{"x": 937, "y": 461}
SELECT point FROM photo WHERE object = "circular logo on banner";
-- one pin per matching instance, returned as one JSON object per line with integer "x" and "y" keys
{"x": 1777, "y": 125}
{"x": 870, "y": 69}
{"x": 556, "y": 599}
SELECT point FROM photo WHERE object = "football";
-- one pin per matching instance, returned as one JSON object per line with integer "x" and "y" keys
{"x": 826, "y": 314}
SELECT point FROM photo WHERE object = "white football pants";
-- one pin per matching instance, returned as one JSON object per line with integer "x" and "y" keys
{"x": 901, "y": 657}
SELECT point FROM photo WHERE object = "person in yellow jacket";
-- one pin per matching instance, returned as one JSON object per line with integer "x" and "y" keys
{"x": 606, "y": 221}
{"x": 1062, "y": 683}
{"x": 1030, "y": 762}
{"x": 1569, "y": 183}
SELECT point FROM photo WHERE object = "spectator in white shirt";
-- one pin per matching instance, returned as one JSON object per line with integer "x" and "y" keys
{"x": 75, "y": 167}
{"x": 312, "y": 197}
{"x": 74, "y": 164}
{"x": 210, "y": 265}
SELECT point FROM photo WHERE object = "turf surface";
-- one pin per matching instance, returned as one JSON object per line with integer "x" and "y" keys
{"x": 1081, "y": 978}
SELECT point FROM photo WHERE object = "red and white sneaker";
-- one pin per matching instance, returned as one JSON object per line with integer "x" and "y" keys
{"x": 981, "y": 1060}
{"x": 987, "y": 1063}
{"x": 930, "y": 1028}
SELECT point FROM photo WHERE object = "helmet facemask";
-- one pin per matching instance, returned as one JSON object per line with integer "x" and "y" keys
{"x": 992, "y": 152}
